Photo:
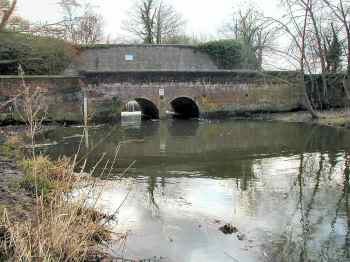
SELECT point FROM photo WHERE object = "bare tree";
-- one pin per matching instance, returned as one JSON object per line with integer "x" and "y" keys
{"x": 154, "y": 21}
{"x": 309, "y": 5}
{"x": 89, "y": 29}
{"x": 249, "y": 26}
{"x": 169, "y": 23}
{"x": 81, "y": 24}
{"x": 302, "y": 61}
{"x": 31, "y": 107}
{"x": 70, "y": 19}
{"x": 294, "y": 25}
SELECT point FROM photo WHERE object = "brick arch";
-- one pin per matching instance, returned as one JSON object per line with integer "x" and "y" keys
{"x": 185, "y": 107}
{"x": 148, "y": 107}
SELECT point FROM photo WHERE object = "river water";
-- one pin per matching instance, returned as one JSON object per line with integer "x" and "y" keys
{"x": 285, "y": 186}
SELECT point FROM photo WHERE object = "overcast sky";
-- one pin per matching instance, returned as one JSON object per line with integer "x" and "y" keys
{"x": 203, "y": 17}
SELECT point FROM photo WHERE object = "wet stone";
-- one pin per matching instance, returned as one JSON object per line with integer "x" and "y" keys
{"x": 241, "y": 236}
{"x": 228, "y": 229}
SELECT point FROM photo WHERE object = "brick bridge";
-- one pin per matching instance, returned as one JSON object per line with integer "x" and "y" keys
{"x": 190, "y": 94}
{"x": 161, "y": 78}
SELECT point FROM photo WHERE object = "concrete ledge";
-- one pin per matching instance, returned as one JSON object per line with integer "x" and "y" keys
{"x": 106, "y": 46}
{"x": 40, "y": 77}
{"x": 204, "y": 76}
{"x": 167, "y": 70}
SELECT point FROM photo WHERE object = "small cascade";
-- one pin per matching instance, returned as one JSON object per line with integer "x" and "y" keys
{"x": 132, "y": 113}
{"x": 132, "y": 106}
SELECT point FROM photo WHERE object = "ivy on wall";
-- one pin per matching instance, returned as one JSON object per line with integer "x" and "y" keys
{"x": 229, "y": 54}
{"x": 37, "y": 55}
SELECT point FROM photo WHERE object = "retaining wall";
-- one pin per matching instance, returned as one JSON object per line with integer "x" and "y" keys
{"x": 141, "y": 57}
{"x": 62, "y": 95}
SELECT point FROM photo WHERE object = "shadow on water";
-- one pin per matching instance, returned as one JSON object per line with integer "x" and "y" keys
{"x": 285, "y": 185}
{"x": 185, "y": 128}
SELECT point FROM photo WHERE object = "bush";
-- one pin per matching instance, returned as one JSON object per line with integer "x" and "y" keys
{"x": 229, "y": 54}
{"x": 37, "y": 55}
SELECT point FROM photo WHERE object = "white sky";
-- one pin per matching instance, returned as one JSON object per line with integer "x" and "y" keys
{"x": 204, "y": 17}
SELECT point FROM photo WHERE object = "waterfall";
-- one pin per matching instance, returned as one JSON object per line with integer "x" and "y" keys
{"x": 132, "y": 106}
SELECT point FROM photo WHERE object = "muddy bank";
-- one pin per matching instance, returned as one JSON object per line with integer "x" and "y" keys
{"x": 17, "y": 202}
{"x": 335, "y": 118}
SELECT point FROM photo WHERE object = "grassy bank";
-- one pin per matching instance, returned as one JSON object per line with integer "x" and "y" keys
{"x": 58, "y": 227}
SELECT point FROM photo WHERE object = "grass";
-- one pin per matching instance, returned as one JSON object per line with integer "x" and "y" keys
{"x": 12, "y": 148}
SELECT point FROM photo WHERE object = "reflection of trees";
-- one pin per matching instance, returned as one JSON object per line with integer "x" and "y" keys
{"x": 152, "y": 185}
{"x": 303, "y": 218}
{"x": 330, "y": 250}
{"x": 297, "y": 242}
{"x": 306, "y": 209}
{"x": 347, "y": 207}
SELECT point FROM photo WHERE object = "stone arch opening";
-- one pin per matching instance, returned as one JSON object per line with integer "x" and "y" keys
{"x": 184, "y": 108}
{"x": 148, "y": 108}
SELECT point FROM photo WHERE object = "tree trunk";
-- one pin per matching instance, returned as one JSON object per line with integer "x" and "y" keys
{"x": 307, "y": 101}
{"x": 306, "y": 97}
{"x": 7, "y": 15}
{"x": 320, "y": 50}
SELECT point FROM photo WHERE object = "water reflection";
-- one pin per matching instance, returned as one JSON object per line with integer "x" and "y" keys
{"x": 285, "y": 186}
{"x": 316, "y": 227}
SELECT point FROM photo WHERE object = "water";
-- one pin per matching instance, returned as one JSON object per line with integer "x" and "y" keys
{"x": 284, "y": 186}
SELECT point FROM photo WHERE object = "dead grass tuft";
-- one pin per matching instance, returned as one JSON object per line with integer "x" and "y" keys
{"x": 59, "y": 231}
{"x": 61, "y": 228}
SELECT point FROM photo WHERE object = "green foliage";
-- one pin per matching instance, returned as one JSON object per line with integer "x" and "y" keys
{"x": 37, "y": 55}
{"x": 42, "y": 184}
{"x": 37, "y": 176}
{"x": 229, "y": 54}
{"x": 181, "y": 40}
{"x": 41, "y": 165}
{"x": 97, "y": 46}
